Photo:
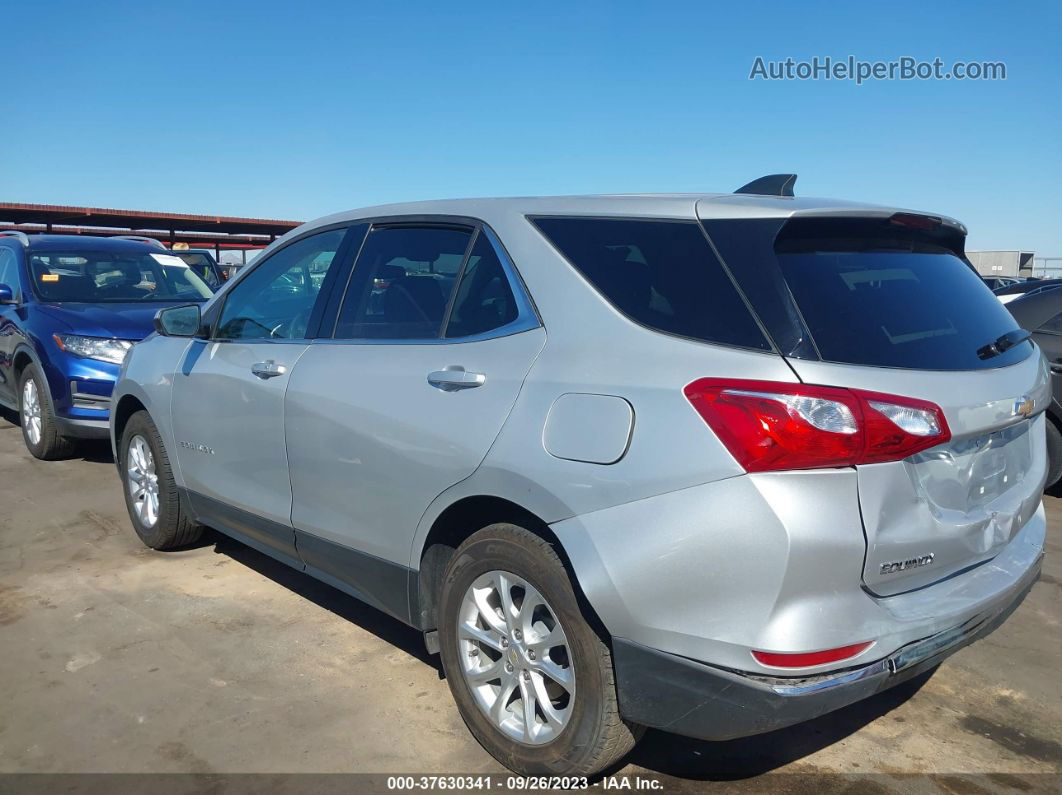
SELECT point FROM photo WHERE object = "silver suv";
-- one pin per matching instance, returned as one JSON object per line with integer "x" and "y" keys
{"x": 714, "y": 464}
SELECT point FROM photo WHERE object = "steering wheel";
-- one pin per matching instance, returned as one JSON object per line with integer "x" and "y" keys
{"x": 285, "y": 329}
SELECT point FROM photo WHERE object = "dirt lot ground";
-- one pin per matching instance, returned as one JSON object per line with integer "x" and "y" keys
{"x": 115, "y": 658}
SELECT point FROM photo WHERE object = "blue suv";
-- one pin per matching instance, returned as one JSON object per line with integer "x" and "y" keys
{"x": 71, "y": 306}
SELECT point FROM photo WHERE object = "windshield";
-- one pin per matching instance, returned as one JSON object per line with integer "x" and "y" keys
{"x": 202, "y": 265}
{"x": 109, "y": 277}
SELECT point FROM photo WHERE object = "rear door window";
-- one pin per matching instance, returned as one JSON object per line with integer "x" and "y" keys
{"x": 661, "y": 274}
{"x": 894, "y": 303}
{"x": 402, "y": 282}
{"x": 484, "y": 299}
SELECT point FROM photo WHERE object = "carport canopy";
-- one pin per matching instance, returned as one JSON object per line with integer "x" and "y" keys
{"x": 205, "y": 231}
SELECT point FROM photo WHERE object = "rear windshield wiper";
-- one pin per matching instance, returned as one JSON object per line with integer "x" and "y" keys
{"x": 1003, "y": 343}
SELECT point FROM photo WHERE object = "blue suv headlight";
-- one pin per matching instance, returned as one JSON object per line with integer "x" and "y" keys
{"x": 106, "y": 350}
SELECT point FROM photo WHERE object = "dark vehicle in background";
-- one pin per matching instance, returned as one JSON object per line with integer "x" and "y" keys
{"x": 1030, "y": 287}
{"x": 998, "y": 282}
{"x": 1041, "y": 314}
{"x": 71, "y": 307}
{"x": 201, "y": 260}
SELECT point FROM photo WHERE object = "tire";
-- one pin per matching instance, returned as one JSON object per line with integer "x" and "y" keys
{"x": 593, "y": 736}
{"x": 1054, "y": 454}
{"x": 169, "y": 525}
{"x": 37, "y": 417}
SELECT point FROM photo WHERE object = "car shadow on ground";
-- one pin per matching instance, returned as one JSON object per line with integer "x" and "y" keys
{"x": 734, "y": 760}
{"x": 660, "y": 752}
{"x": 383, "y": 626}
{"x": 664, "y": 753}
{"x": 94, "y": 451}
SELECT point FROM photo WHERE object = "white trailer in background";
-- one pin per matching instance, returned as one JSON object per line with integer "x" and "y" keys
{"x": 1002, "y": 263}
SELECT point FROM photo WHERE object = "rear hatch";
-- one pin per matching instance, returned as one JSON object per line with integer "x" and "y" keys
{"x": 890, "y": 306}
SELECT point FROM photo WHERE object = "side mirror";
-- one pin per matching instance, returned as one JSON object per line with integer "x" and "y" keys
{"x": 179, "y": 321}
{"x": 7, "y": 295}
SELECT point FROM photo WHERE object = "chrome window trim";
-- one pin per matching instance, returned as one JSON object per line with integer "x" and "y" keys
{"x": 527, "y": 317}
{"x": 263, "y": 340}
{"x": 518, "y": 326}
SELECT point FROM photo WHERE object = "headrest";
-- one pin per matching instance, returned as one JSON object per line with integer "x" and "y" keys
{"x": 130, "y": 272}
{"x": 390, "y": 272}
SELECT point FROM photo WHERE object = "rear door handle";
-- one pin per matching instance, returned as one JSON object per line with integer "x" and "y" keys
{"x": 453, "y": 379}
{"x": 266, "y": 370}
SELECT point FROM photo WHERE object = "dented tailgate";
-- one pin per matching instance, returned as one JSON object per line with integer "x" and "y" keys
{"x": 956, "y": 505}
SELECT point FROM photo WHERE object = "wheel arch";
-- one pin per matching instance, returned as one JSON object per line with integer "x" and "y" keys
{"x": 30, "y": 350}
{"x": 126, "y": 407}
{"x": 453, "y": 526}
{"x": 23, "y": 358}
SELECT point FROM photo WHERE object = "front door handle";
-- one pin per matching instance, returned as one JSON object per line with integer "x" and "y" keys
{"x": 453, "y": 379}
{"x": 266, "y": 370}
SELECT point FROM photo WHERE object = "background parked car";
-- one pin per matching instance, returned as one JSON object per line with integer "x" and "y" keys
{"x": 996, "y": 282}
{"x": 202, "y": 261}
{"x": 1041, "y": 313}
{"x": 1029, "y": 287}
{"x": 71, "y": 307}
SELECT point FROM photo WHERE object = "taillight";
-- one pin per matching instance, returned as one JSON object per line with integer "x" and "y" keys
{"x": 898, "y": 427}
{"x": 810, "y": 658}
{"x": 768, "y": 425}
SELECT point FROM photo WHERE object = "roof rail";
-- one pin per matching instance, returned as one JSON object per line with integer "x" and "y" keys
{"x": 142, "y": 239}
{"x": 22, "y": 237}
{"x": 771, "y": 185}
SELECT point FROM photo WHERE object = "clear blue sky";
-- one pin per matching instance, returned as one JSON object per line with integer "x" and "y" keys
{"x": 294, "y": 110}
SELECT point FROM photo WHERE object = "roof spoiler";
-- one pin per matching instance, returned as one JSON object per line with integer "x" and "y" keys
{"x": 771, "y": 185}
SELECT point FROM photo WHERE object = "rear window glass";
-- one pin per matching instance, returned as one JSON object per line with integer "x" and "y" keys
{"x": 662, "y": 274}
{"x": 895, "y": 304}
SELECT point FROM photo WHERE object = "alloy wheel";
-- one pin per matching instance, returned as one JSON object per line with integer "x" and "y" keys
{"x": 31, "y": 412}
{"x": 142, "y": 481}
{"x": 515, "y": 658}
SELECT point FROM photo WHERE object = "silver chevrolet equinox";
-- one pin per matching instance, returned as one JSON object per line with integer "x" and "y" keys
{"x": 714, "y": 463}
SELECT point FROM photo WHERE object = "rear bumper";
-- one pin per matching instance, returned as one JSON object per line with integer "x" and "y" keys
{"x": 679, "y": 695}
{"x": 772, "y": 562}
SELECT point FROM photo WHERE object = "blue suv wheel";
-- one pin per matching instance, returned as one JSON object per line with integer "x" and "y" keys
{"x": 39, "y": 428}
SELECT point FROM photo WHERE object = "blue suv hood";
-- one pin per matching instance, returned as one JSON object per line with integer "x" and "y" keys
{"x": 121, "y": 321}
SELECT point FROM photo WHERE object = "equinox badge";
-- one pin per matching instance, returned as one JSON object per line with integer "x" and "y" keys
{"x": 903, "y": 565}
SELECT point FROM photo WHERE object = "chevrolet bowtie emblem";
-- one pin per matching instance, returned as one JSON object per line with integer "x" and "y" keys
{"x": 1024, "y": 406}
